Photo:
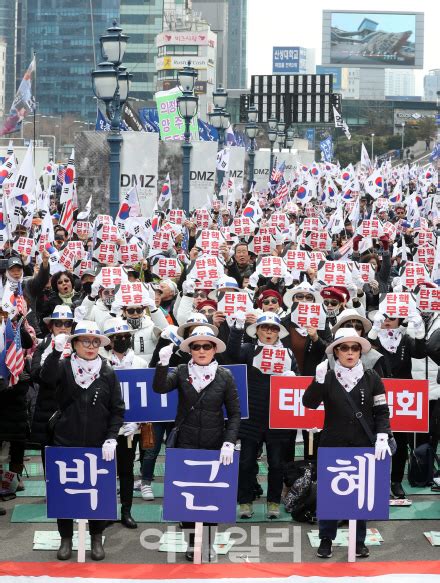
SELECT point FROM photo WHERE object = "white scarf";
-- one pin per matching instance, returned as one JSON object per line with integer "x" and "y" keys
{"x": 13, "y": 283}
{"x": 390, "y": 339}
{"x": 85, "y": 371}
{"x": 349, "y": 377}
{"x": 278, "y": 344}
{"x": 125, "y": 363}
{"x": 200, "y": 376}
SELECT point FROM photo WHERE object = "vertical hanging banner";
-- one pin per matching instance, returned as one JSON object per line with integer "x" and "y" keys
{"x": 171, "y": 125}
{"x": 261, "y": 169}
{"x": 139, "y": 167}
{"x": 236, "y": 168}
{"x": 202, "y": 173}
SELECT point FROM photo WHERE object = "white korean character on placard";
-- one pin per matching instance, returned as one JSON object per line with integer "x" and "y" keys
{"x": 405, "y": 400}
{"x": 77, "y": 476}
{"x": 189, "y": 498}
{"x": 362, "y": 480}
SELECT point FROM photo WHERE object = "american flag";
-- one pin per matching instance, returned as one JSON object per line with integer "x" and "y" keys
{"x": 14, "y": 355}
{"x": 66, "y": 220}
{"x": 277, "y": 173}
{"x": 19, "y": 299}
{"x": 185, "y": 240}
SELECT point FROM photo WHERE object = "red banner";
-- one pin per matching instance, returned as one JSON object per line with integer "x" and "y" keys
{"x": 408, "y": 401}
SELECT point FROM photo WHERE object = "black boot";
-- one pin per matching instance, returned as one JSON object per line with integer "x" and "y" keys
{"x": 189, "y": 555}
{"x": 397, "y": 491}
{"x": 97, "y": 550}
{"x": 127, "y": 519}
{"x": 2, "y": 511}
{"x": 65, "y": 551}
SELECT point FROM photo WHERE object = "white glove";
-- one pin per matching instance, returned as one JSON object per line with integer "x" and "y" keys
{"x": 108, "y": 450}
{"x": 397, "y": 285}
{"x": 416, "y": 322}
{"x": 321, "y": 371}
{"x": 95, "y": 288}
{"x": 288, "y": 279}
{"x": 378, "y": 320}
{"x": 381, "y": 447}
{"x": 253, "y": 280}
{"x": 150, "y": 303}
{"x": 227, "y": 453}
{"x": 60, "y": 342}
{"x": 288, "y": 373}
{"x": 189, "y": 286}
{"x": 240, "y": 319}
{"x": 129, "y": 429}
{"x": 165, "y": 354}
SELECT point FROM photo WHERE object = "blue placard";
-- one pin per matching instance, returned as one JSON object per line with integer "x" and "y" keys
{"x": 352, "y": 484}
{"x": 197, "y": 488}
{"x": 80, "y": 484}
{"x": 288, "y": 60}
{"x": 142, "y": 404}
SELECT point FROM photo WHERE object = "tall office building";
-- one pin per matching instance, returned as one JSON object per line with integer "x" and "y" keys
{"x": 65, "y": 36}
{"x": 13, "y": 37}
{"x": 399, "y": 83}
{"x": 431, "y": 85}
{"x": 2, "y": 77}
{"x": 142, "y": 20}
{"x": 216, "y": 14}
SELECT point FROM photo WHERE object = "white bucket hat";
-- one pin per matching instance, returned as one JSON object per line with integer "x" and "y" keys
{"x": 267, "y": 318}
{"x": 196, "y": 319}
{"x": 89, "y": 328}
{"x": 116, "y": 326}
{"x": 304, "y": 288}
{"x": 223, "y": 283}
{"x": 202, "y": 333}
{"x": 348, "y": 335}
{"x": 61, "y": 312}
{"x": 351, "y": 314}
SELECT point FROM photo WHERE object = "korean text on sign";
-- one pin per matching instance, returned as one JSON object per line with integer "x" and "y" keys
{"x": 271, "y": 267}
{"x": 428, "y": 299}
{"x": 398, "y": 305}
{"x": 307, "y": 315}
{"x": 233, "y": 302}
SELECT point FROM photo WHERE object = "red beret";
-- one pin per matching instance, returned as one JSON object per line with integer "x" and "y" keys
{"x": 269, "y": 293}
{"x": 210, "y": 303}
{"x": 336, "y": 293}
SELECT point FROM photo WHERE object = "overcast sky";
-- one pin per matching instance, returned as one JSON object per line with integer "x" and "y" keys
{"x": 299, "y": 23}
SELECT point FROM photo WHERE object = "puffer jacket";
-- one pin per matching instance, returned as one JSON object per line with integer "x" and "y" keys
{"x": 204, "y": 427}
{"x": 46, "y": 404}
{"x": 428, "y": 367}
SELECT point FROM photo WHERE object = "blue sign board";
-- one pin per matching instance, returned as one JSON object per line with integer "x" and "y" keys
{"x": 142, "y": 404}
{"x": 80, "y": 484}
{"x": 287, "y": 60}
{"x": 335, "y": 71}
{"x": 352, "y": 484}
{"x": 198, "y": 488}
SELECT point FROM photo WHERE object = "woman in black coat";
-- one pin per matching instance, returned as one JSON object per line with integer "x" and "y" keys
{"x": 255, "y": 430}
{"x": 88, "y": 394}
{"x": 60, "y": 322}
{"x": 390, "y": 339}
{"x": 341, "y": 427}
{"x": 203, "y": 388}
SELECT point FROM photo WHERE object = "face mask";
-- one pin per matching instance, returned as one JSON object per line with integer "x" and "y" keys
{"x": 87, "y": 287}
{"x": 331, "y": 312}
{"x": 121, "y": 345}
{"x": 108, "y": 301}
{"x": 135, "y": 323}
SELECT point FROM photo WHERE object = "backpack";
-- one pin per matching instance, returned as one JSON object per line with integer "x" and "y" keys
{"x": 421, "y": 466}
{"x": 434, "y": 418}
{"x": 300, "y": 500}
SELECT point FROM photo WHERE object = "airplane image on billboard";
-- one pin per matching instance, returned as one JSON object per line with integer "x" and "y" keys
{"x": 367, "y": 39}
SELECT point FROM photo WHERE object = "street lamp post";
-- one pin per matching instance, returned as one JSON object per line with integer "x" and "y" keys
{"x": 187, "y": 107}
{"x": 221, "y": 120}
{"x": 372, "y": 148}
{"x": 111, "y": 83}
{"x": 403, "y": 140}
{"x": 290, "y": 138}
{"x": 272, "y": 122}
{"x": 251, "y": 132}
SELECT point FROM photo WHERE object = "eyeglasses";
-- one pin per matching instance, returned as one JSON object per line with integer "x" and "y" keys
{"x": 62, "y": 323}
{"x": 204, "y": 347}
{"x": 353, "y": 324}
{"x": 200, "y": 294}
{"x": 207, "y": 311}
{"x": 269, "y": 301}
{"x": 307, "y": 297}
{"x": 331, "y": 303}
{"x": 87, "y": 343}
{"x": 349, "y": 347}
{"x": 132, "y": 311}
{"x": 269, "y": 328}
{"x": 389, "y": 318}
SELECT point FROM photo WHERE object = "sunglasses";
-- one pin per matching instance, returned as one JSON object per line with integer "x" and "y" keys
{"x": 62, "y": 323}
{"x": 331, "y": 303}
{"x": 270, "y": 301}
{"x": 204, "y": 347}
{"x": 87, "y": 343}
{"x": 349, "y": 347}
{"x": 200, "y": 295}
{"x": 132, "y": 311}
{"x": 108, "y": 293}
{"x": 353, "y": 324}
{"x": 269, "y": 328}
{"x": 389, "y": 318}
{"x": 307, "y": 297}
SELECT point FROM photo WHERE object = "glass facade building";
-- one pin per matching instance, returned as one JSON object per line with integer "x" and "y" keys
{"x": 237, "y": 39}
{"x": 65, "y": 36}
{"x": 142, "y": 20}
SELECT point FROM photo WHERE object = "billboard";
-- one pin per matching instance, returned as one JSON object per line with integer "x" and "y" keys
{"x": 286, "y": 60}
{"x": 372, "y": 39}
{"x": 335, "y": 71}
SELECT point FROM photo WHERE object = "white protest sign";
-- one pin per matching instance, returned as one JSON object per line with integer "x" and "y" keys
{"x": 299, "y": 260}
{"x": 232, "y": 302}
{"x": 335, "y": 273}
{"x": 209, "y": 241}
{"x": 270, "y": 360}
{"x": 414, "y": 274}
{"x": 307, "y": 314}
{"x": 370, "y": 228}
{"x": 271, "y": 266}
{"x": 166, "y": 267}
{"x": 428, "y": 299}
{"x": 397, "y": 305}
{"x": 207, "y": 269}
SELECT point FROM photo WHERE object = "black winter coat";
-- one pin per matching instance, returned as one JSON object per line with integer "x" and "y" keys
{"x": 398, "y": 365}
{"x": 46, "y": 403}
{"x": 84, "y": 423}
{"x": 314, "y": 351}
{"x": 203, "y": 428}
{"x": 257, "y": 426}
{"x": 341, "y": 428}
